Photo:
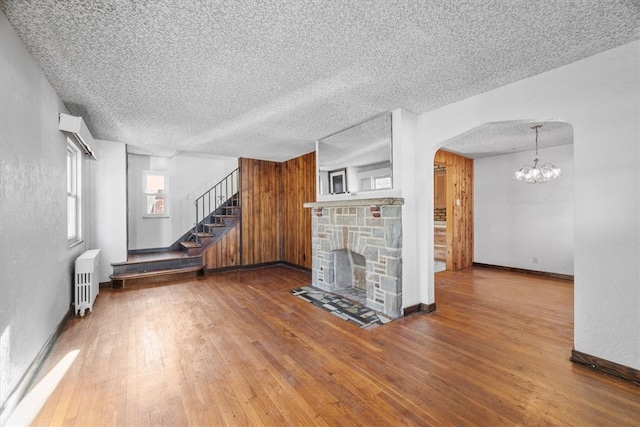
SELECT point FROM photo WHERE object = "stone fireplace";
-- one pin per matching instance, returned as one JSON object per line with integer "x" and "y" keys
{"x": 358, "y": 244}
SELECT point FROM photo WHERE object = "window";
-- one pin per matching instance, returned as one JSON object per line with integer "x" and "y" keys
{"x": 381, "y": 182}
{"x": 155, "y": 191}
{"x": 74, "y": 192}
{"x": 375, "y": 183}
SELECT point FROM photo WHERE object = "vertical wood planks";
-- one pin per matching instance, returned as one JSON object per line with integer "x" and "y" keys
{"x": 299, "y": 186}
{"x": 275, "y": 227}
{"x": 260, "y": 197}
{"x": 459, "y": 186}
{"x": 225, "y": 252}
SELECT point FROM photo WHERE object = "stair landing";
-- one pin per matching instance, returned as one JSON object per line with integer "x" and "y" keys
{"x": 156, "y": 267}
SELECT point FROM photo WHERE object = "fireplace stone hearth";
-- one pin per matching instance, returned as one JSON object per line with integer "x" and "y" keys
{"x": 347, "y": 232}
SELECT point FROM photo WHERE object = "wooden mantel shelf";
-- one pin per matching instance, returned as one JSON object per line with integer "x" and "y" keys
{"x": 342, "y": 203}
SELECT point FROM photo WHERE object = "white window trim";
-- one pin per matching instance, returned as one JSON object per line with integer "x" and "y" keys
{"x": 74, "y": 154}
{"x": 165, "y": 194}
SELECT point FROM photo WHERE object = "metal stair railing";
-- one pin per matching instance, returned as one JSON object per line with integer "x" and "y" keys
{"x": 215, "y": 198}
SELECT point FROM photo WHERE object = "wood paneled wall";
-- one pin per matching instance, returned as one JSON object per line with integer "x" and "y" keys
{"x": 459, "y": 217}
{"x": 299, "y": 186}
{"x": 261, "y": 206}
{"x": 225, "y": 252}
{"x": 274, "y": 226}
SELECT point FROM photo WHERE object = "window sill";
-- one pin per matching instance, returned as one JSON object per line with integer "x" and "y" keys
{"x": 74, "y": 243}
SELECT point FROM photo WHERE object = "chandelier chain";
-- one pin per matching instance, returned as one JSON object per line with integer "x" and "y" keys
{"x": 536, "y": 129}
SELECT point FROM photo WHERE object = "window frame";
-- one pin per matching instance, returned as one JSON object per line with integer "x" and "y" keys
{"x": 157, "y": 195}
{"x": 74, "y": 193}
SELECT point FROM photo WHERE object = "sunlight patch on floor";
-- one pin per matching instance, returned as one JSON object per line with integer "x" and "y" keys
{"x": 30, "y": 405}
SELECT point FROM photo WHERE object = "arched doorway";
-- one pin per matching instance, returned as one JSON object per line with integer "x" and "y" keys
{"x": 490, "y": 218}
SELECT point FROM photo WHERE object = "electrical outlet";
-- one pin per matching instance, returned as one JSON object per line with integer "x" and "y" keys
{"x": 535, "y": 259}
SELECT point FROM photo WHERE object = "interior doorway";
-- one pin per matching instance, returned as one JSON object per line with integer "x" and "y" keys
{"x": 452, "y": 211}
{"x": 494, "y": 220}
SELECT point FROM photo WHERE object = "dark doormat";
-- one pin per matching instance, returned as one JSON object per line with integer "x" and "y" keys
{"x": 339, "y": 306}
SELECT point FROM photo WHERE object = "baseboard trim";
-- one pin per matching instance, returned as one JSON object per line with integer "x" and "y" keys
{"x": 419, "y": 308}
{"x": 428, "y": 308}
{"x": 412, "y": 309}
{"x": 295, "y": 266}
{"x": 605, "y": 366}
{"x": 523, "y": 270}
{"x": 27, "y": 380}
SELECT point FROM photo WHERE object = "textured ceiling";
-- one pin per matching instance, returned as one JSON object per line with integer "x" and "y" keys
{"x": 496, "y": 138}
{"x": 265, "y": 79}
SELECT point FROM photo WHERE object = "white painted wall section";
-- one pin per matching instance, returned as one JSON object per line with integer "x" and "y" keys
{"x": 404, "y": 156}
{"x": 189, "y": 175}
{"x": 520, "y": 225}
{"x": 36, "y": 265}
{"x": 600, "y": 97}
{"x": 109, "y": 204}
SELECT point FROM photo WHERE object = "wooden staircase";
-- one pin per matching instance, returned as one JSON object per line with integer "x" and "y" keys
{"x": 213, "y": 227}
{"x": 184, "y": 258}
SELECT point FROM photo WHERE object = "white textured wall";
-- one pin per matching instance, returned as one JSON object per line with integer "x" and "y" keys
{"x": 404, "y": 157}
{"x": 600, "y": 97}
{"x": 190, "y": 175}
{"x": 145, "y": 233}
{"x": 36, "y": 267}
{"x": 516, "y": 222}
{"x": 109, "y": 204}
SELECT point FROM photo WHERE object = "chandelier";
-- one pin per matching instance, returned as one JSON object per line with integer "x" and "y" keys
{"x": 532, "y": 174}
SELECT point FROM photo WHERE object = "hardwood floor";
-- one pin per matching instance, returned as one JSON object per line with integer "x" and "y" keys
{"x": 236, "y": 348}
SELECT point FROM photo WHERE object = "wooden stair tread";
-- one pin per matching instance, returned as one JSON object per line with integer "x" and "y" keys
{"x": 214, "y": 225}
{"x": 189, "y": 269}
{"x": 190, "y": 244}
{"x": 204, "y": 235}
